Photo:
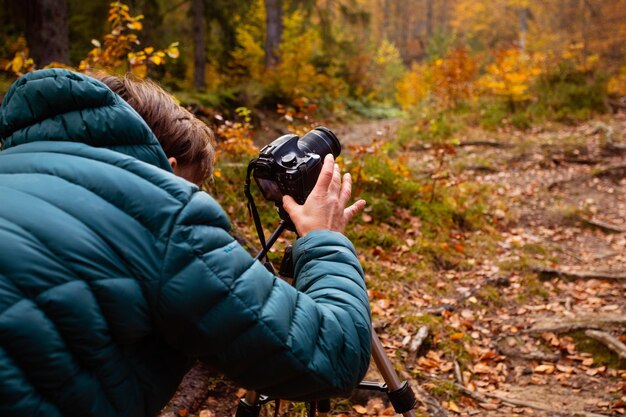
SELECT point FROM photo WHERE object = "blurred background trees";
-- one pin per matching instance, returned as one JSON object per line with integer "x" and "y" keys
{"x": 343, "y": 54}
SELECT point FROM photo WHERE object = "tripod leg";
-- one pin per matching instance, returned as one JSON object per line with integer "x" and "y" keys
{"x": 249, "y": 405}
{"x": 400, "y": 393}
{"x": 323, "y": 408}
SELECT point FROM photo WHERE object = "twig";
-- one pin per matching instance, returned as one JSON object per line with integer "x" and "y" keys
{"x": 457, "y": 373}
{"x": 483, "y": 398}
{"x": 611, "y": 342}
{"x": 607, "y": 227}
{"x": 608, "y": 275}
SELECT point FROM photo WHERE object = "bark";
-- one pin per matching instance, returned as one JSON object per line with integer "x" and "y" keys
{"x": 199, "y": 44}
{"x": 273, "y": 31}
{"x": 523, "y": 27}
{"x": 47, "y": 31}
{"x": 429, "y": 19}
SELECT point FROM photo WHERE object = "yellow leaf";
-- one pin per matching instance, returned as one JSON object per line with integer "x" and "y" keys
{"x": 17, "y": 63}
{"x": 149, "y": 50}
{"x": 172, "y": 51}
{"x": 157, "y": 60}
{"x": 453, "y": 407}
{"x": 359, "y": 409}
{"x": 544, "y": 369}
{"x": 140, "y": 71}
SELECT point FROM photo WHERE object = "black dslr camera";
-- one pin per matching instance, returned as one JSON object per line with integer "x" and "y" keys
{"x": 291, "y": 165}
{"x": 287, "y": 166}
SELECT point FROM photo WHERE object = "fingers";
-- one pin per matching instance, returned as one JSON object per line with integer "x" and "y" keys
{"x": 326, "y": 174}
{"x": 290, "y": 205}
{"x": 353, "y": 210}
{"x": 335, "y": 183}
{"x": 346, "y": 190}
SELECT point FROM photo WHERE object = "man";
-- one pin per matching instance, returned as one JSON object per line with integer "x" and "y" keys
{"x": 116, "y": 274}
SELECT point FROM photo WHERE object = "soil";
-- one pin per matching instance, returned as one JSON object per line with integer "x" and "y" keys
{"x": 552, "y": 188}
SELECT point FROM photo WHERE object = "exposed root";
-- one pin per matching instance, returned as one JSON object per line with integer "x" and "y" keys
{"x": 608, "y": 275}
{"x": 611, "y": 342}
{"x": 484, "y": 398}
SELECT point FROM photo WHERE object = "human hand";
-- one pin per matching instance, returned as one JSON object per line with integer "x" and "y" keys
{"x": 325, "y": 208}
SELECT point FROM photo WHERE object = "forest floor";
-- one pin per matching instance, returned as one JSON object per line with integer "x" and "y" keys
{"x": 531, "y": 326}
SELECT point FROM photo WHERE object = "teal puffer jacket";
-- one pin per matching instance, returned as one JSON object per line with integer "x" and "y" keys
{"x": 115, "y": 274}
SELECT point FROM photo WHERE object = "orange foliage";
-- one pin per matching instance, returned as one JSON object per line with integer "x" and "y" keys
{"x": 512, "y": 74}
{"x": 452, "y": 77}
{"x": 449, "y": 80}
{"x": 235, "y": 137}
{"x": 300, "y": 117}
{"x": 118, "y": 50}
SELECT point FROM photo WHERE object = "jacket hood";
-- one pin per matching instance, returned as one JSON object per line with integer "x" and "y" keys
{"x": 61, "y": 105}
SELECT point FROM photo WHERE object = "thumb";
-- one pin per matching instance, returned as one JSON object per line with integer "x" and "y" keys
{"x": 289, "y": 204}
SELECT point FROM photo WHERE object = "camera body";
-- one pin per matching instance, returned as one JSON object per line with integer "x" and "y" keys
{"x": 291, "y": 165}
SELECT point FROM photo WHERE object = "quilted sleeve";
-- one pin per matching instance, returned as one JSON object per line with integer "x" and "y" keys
{"x": 217, "y": 304}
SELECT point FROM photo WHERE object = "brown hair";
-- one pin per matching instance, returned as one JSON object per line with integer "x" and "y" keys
{"x": 179, "y": 132}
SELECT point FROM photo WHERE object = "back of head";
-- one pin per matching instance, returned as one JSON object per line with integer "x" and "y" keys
{"x": 179, "y": 132}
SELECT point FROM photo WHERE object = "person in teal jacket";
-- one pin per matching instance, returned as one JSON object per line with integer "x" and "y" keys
{"x": 116, "y": 274}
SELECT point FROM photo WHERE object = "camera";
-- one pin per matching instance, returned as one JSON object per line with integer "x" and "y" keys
{"x": 290, "y": 165}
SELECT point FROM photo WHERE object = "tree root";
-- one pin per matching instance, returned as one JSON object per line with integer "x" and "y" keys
{"x": 607, "y": 275}
{"x": 570, "y": 326}
{"x": 530, "y": 356}
{"x": 487, "y": 143}
{"x": 616, "y": 171}
{"x": 609, "y": 341}
{"x": 484, "y": 398}
{"x": 607, "y": 227}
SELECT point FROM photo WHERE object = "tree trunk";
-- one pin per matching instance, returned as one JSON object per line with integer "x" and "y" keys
{"x": 47, "y": 31}
{"x": 273, "y": 31}
{"x": 429, "y": 20}
{"x": 523, "y": 27}
{"x": 199, "y": 44}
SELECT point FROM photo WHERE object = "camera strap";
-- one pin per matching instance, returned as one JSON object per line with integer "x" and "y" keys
{"x": 252, "y": 210}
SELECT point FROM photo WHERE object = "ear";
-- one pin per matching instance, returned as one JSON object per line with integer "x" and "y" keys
{"x": 173, "y": 163}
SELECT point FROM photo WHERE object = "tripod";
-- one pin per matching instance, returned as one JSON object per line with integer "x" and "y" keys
{"x": 399, "y": 393}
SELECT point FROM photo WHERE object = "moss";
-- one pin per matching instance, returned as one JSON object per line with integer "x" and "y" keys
{"x": 601, "y": 354}
{"x": 446, "y": 390}
{"x": 490, "y": 296}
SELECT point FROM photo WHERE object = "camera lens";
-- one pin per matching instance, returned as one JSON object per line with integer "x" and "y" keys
{"x": 320, "y": 141}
